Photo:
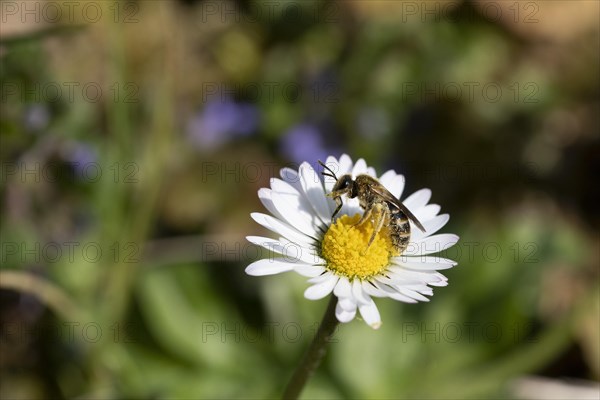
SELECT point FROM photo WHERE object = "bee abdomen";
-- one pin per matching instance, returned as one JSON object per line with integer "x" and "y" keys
{"x": 398, "y": 215}
{"x": 399, "y": 230}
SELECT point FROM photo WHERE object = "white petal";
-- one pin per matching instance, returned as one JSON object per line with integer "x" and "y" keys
{"x": 397, "y": 186}
{"x": 322, "y": 289}
{"x": 288, "y": 205}
{"x": 298, "y": 205}
{"x": 424, "y": 263}
{"x": 371, "y": 172}
{"x": 269, "y": 267}
{"x": 282, "y": 186}
{"x": 413, "y": 294}
{"x": 347, "y": 303}
{"x": 370, "y": 314}
{"x": 372, "y": 290}
{"x": 343, "y": 288}
{"x": 423, "y": 289}
{"x": 292, "y": 252}
{"x": 442, "y": 280}
{"x": 431, "y": 227}
{"x": 310, "y": 271}
{"x": 359, "y": 168}
{"x": 351, "y": 207}
{"x": 394, "y": 183}
{"x": 313, "y": 246}
{"x": 358, "y": 294}
{"x": 291, "y": 176}
{"x": 334, "y": 165}
{"x": 431, "y": 244}
{"x": 282, "y": 229}
{"x": 417, "y": 200}
{"x": 427, "y": 277}
{"x": 393, "y": 278}
{"x": 264, "y": 195}
{"x": 345, "y": 164}
{"x": 322, "y": 278}
{"x": 313, "y": 187}
{"x": 428, "y": 212}
{"x": 297, "y": 200}
{"x": 344, "y": 315}
{"x": 328, "y": 181}
{"x": 393, "y": 293}
{"x": 387, "y": 176}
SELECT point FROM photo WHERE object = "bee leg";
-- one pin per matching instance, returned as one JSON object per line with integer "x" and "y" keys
{"x": 339, "y": 203}
{"x": 383, "y": 214}
{"x": 366, "y": 215}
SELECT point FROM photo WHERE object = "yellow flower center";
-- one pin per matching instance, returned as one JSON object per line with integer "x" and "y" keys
{"x": 344, "y": 247}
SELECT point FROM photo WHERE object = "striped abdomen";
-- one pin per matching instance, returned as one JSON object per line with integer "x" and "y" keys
{"x": 399, "y": 229}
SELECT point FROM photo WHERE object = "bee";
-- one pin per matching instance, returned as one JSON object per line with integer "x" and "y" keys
{"x": 379, "y": 205}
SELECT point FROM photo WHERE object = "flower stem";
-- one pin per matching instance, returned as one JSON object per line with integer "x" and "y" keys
{"x": 314, "y": 354}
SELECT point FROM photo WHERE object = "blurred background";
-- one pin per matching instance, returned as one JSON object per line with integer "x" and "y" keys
{"x": 135, "y": 135}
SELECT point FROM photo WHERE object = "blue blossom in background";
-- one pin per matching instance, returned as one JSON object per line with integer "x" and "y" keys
{"x": 82, "y": 157}
{"x": 220, "y": 121}
{"x": 304, "y": 142}
{"x": 36, "y": 117}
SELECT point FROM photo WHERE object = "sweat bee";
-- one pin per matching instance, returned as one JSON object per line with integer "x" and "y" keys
{"x": 379, "y": 204}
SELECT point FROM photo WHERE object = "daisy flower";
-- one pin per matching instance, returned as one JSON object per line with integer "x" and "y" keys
{"x": 335, "y": 253}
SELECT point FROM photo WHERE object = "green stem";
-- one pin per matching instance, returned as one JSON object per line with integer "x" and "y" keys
{"x": 51, "y": 295}
{"x": 314, "y": 354}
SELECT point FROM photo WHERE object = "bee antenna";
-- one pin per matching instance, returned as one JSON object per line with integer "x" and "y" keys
{"x": 329, "y": 170}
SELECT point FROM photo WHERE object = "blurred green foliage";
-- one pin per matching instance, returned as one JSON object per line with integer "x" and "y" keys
{"x": 152, "y": 179}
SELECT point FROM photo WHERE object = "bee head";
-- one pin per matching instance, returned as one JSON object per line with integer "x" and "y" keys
{"x": 344, "y": 185}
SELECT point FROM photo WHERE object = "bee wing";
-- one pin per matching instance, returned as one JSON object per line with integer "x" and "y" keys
{"x": 387, "y": 196}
